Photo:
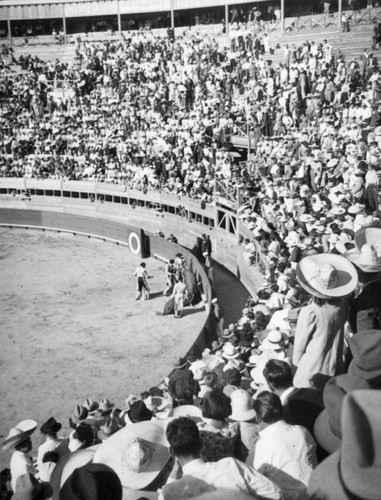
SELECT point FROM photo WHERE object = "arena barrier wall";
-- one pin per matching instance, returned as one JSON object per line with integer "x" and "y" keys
{"x": 151, "y": 210}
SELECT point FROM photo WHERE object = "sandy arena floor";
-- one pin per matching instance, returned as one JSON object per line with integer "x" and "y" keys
{"x": 70, "y": 327}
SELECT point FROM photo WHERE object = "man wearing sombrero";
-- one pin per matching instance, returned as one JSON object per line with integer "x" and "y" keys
{"x": 19, "y": 439}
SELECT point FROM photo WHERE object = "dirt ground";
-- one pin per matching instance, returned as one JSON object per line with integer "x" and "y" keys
{"x": 70, "y": 327}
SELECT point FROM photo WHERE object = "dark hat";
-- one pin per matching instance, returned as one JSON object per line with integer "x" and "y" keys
{"x": 84, "y": 433}
{"x": 50, "y": 427}
{"x": 366, "y": 351}
{"x": 29, "y": 488}
{"x": 92, "y": 482}
{"x": 139, "y": 412}
{"x": 354, "y": 470}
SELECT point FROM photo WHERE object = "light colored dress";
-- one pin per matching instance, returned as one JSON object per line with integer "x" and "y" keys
{"x": 319, "y": 341}
{"x": 179, "y": 294}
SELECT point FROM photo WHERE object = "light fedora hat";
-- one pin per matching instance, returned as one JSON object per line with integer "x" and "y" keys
{"x": 137, "y": 453}
{"x": 242, "y": 406}
{"x": 190, "y": 411}
{"x": 229, "y": 351}
{"x": 353, "y": 471}
{"x": 18, "y": 434}
{"x": 275, "y": 340}
{"x": 327, "y": 276}
{"x": 368, "y": 256}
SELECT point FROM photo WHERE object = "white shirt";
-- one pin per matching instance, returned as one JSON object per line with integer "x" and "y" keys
{"x": 286, "y": 454}
{"x": 231, "y": 474}
{"x": 20, "y": 464}
{"x": 59, "y": 445}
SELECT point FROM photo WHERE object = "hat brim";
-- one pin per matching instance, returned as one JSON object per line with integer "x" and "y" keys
{"x": 230, "y": 356}
{"x": 324, "y": 435}
{"x": 243, "y": 416}
{"x": 370, "y": 235}
{"x": 27, "y": 427}
{"x": 347, "y": 275}
{"x": 15, "y": 440}
{"x": 355, "y": 371}
{"x": 325, "y": 480}
{"x": 67, "y": 465}
{"x": 356, "y": 259}
{"x": 130, "y": 494}
{"x": 112, "y": 452}
{"x": 190, "y": 411}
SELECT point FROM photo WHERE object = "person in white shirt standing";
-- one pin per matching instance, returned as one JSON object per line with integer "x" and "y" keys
{"x": 49, "y": 429}
{"x": 142, "y": 285}
{"x": 284, "y": 453}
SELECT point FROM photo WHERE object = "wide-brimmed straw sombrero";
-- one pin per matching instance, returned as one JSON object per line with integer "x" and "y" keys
{"x": 327, "y": 276}
{"x": 137, "y": 453}
{"x": 368, "y": 256}
{"x": 18, "y": 434}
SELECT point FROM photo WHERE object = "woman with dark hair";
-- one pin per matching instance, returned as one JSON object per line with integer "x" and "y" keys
{"x": 284, "y": 453}
{"x": 220, "y": 438}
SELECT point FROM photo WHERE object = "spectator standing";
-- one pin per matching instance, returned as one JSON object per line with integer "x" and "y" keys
{"x": 142, "y": 285}
{"x": 319, "y": 335}
{"x": 283, "y": 453}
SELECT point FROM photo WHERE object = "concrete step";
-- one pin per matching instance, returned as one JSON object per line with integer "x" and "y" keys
{"x": 65, "y": 53}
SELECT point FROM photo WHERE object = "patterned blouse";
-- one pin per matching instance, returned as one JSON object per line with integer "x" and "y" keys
{"x": 218, "y": 441}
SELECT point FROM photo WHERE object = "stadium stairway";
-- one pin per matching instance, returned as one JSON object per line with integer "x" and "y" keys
{"x": 65, "y": 53}
{"x": 351, "y": 44}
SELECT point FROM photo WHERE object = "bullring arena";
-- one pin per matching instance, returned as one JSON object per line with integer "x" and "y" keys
{"x": 242, "y": 141}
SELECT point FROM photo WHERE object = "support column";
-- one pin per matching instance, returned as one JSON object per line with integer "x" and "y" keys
{"x": 282, "y": 15}
{"x": 119, "y": 19}
{"x": 64, "y": 24}
{"x": 227, "y": 18}
{"x": 9, "y": 31}
{"x": 339, "y": 13}
{"x": 172, "y": 15}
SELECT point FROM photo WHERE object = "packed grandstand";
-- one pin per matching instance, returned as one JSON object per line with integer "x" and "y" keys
{"x": 285, "y": 402}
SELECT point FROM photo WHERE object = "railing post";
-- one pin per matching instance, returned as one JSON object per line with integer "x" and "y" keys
{"x": 9, "y": 30}
{"x": 64, "y": 24}
{"x": 119, "y": 19}
{"x": 282, "y": 15}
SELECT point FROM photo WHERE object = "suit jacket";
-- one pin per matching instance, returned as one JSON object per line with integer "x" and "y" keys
{"x": 366, "y": 309}
{"x": 319, "y": 341}
{"x": 181, "y": 382}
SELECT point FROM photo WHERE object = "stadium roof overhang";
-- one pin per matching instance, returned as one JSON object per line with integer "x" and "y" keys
{"x": 133, "y": 4}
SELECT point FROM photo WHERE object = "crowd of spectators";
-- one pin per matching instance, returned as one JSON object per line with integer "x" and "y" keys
{"x": 259, "y": 409}
{"x": 156, "y": 114}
